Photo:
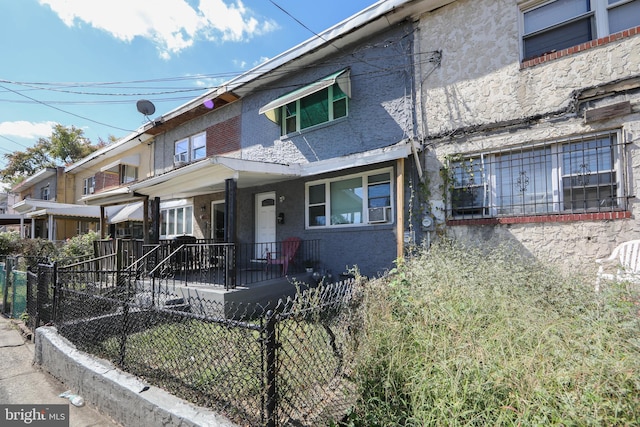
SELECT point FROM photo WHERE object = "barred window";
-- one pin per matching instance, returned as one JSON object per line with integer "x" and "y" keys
{"x": 563, "y": 177}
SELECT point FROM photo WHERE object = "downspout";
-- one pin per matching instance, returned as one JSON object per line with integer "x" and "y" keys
{"x": 400, "y": 210}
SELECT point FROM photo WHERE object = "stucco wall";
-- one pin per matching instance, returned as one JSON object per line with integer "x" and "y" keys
{"x": 380, "y": 107}
{"x": 480, "y": 79}
{"x": 480, "y": 98}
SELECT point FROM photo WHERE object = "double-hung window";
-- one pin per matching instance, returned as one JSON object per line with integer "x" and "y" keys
{"x": 89, "y": 185}
{"x": 323, "y": 101}
{"x": 348, "y": 201}
{"x": 176, "y": 221}
{"x": 560, "y": 24}
{"x": 45, "y": 193}
{"x": 191, "y": 149}
{"x": 128, "y": 174}
{"x": 577, "y": 175}
{"x": 324, "y": 106}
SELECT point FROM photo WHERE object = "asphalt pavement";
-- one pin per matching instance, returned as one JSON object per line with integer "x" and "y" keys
{"x": 22, "y": 382}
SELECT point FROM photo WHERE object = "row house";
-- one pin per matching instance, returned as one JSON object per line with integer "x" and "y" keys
{"x": 530, "y": 124}
{"x": 102, "y": 180}
{"x": 45, "y": 209}
{"x": 487, "y": 121}
{"x": 311, "y": 145}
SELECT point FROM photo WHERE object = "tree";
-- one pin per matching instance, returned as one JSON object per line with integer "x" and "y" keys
{"x": 22, "y": 164}
{"x": 69, "y": 144}
{"x": 66, "y": 145}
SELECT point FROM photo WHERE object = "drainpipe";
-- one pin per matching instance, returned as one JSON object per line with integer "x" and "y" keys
{"x": 400, "y": 209}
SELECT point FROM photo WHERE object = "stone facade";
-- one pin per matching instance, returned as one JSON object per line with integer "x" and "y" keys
{"x": 481, "y": 97}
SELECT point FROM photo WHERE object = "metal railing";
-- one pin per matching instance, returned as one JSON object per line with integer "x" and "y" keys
{"x": 202, "y": 261}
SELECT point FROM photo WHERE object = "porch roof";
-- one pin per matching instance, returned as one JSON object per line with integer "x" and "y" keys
{"x": 34, "y": 208}
{"x": 13, "y": 219}
{"x": 209, "y": 175}
{"x": 115, "y": 196}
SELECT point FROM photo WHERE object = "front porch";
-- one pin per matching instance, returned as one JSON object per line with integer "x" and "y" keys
{"x": 199, "y": 273}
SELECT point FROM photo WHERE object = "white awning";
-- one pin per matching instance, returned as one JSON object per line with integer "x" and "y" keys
{"x": 133, "y": 160}
{"x": 342, "y": 77}
{"x": 130, "y": 212}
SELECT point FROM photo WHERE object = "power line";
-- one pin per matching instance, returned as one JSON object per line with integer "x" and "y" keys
{"x": 64, "y": 111}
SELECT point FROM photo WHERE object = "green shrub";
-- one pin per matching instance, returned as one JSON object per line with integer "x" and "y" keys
{"x": 9, "y": 242}
{"x": 77, "y": 247}
{"x": 458, "y": 336}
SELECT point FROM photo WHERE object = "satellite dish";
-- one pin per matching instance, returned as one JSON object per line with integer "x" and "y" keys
{"x": 146, "y": 107}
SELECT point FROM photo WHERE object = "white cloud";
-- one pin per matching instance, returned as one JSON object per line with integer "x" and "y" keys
{"x": 172, "y": 25}
{"x": 24, "y": 129}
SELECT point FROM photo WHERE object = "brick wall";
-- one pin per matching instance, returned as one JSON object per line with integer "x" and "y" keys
{"x": 223, "y": 137}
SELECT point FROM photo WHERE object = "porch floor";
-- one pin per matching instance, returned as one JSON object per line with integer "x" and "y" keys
{"x": 209, "y": 298}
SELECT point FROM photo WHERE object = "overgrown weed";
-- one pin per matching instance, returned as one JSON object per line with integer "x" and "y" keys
{"x": 461, "y": 336}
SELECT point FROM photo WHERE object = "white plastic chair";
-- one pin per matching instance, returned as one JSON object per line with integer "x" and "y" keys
{"x": 626, "y": 259}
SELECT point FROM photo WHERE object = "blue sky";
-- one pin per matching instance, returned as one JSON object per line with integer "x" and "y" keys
{"x": 86, "y": 62}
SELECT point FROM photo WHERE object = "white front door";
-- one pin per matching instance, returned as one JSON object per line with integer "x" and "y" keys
{"x": 265, "y": 223}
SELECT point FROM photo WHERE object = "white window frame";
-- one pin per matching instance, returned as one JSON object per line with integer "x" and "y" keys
{"x": 598, "y": 14}
{"x": 170, "y": 225}
{"x": 45, "y": 193}
{"x": 127, "y": 173}
{"x": 363, "y": 220}
{"x": 190, "y": 149}
{"x": 89, "y": 185}
{"x": 487, "y": 166}
{"x": 286, "y": 113}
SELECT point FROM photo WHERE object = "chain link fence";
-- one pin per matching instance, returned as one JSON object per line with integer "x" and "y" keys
{"x": 282, "y": 364}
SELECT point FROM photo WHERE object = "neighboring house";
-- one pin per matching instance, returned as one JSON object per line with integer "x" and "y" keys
{"x": 311, "y": 144}
{"x": 43, "y": 200}
{"x": 102, "y": 180}
{"x": 9, "y": 220}
{"x": 531, "y": 124}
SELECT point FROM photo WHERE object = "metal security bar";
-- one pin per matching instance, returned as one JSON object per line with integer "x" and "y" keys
{"x": 569, "y": 176}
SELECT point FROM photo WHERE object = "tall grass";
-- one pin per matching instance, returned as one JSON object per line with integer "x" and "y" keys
{"x": 457, "y": 336}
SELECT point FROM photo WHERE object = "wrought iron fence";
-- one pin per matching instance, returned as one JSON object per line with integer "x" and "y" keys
{"x": 279, "y": 364}
{"x": 201, "y": 261}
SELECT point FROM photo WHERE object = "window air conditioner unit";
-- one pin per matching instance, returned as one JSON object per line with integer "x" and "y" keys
{"x": 180, "y": 159}
{"x": 91, "y": 190}
{"x": 377, "y": 215}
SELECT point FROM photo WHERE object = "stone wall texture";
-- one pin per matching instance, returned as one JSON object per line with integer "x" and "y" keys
{"x": 481, "y": 97}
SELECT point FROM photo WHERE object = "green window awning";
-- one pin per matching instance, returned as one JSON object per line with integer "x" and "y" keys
{"x": 342, "y": 77}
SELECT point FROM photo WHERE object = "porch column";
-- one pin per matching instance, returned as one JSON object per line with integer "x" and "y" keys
{"x": 103, "y": 224}
{"x": 145, "y": 220}
{"x": 33, "y": 228}
{"x": 155, "y": 221}
{"x": 230, "y": 196}
{"x": 22, "y": 230}
{"x": 400, "y": 208}
{"x": 50, "y": 230}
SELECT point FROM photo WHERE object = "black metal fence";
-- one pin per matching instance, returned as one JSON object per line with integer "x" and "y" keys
{"x": 279, "y": 364}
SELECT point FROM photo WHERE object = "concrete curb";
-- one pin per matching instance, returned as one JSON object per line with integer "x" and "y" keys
{"x": 118, "y": 394}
